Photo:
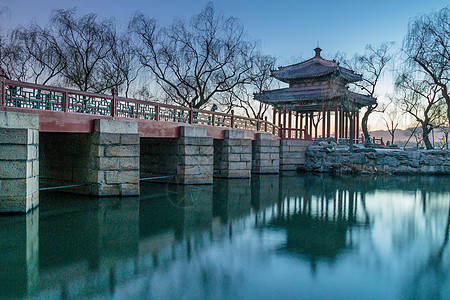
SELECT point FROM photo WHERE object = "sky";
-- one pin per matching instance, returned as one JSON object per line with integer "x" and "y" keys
{"x": 285, "y": 29}
{"x": 288, "y": 30}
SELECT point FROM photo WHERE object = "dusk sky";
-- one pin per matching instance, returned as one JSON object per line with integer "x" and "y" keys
{"x": 285, "y": 29}
{"x": 288, "y": 30}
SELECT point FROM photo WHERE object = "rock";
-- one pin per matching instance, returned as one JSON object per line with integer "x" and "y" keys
{"x": 317, "y": 141}
{"x": 358, "y": 158}
{"x": 331, "y": 140}
{"x": 342, "y": 148}
{"x": 361, "y": 150}
{"x": 343, "y": 142}
{"x": 389, "y": 161}
{"x": 414, "y": 163}
{"x": 371, "y": 155}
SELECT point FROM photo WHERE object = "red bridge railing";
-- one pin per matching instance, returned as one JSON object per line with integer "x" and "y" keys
{"x": 41, "y": 97}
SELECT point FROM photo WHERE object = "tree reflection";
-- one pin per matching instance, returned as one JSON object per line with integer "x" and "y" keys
{"x": 319, "y": 218}
{"x": 393, "y": 232}
{"x": 432, "y": 274}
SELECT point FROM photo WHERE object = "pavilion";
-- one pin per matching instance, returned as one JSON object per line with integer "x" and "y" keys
{"x": 318, "y": 88}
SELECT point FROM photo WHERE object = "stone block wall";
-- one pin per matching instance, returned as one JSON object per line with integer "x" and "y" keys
{"x": 328, "y": 159}
{"x": 189, "y": 158}
{"x": 114, "y": 158}
{"x": 292, "y": 154}
{"x": 19, "y": 162}
{"x": 195, "y": 161}
{"x": 265, "y": 154}
{"x": 106, "y": 161}
{"x": 233, "y": 155}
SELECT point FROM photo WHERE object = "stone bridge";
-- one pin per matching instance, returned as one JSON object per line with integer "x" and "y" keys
{"x": 105, "y": 145}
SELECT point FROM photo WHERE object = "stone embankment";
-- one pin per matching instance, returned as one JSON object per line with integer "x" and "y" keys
{"x": 331, "y": 157}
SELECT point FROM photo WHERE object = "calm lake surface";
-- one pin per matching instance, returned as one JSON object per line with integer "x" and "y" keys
{"x": 271, "y": 237}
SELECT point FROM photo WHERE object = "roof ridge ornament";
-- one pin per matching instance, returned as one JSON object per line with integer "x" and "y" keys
{"x": 317, "y": 50}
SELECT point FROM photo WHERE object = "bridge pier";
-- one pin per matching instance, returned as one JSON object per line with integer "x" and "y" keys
{"x": 266, "y": 154}
{"x": 19, "y": 162}
{"x": 114, "y": 158}
{"x": 195, "y": 149}
{"x": 233, "y": 155}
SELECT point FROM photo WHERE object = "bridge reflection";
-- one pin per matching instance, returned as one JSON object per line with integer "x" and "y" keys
{"x": 76, "y": 246}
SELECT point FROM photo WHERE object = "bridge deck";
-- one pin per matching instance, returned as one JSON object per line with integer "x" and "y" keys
{"x": 65, "y": 110}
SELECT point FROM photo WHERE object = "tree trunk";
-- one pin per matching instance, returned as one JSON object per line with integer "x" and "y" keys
{"x": 364, "y": 121}
{"x": 425, "y": 137}
{"x": 446, "y": 96}
{"x": 352, "y": 129}
{"x": 447, "y": 100}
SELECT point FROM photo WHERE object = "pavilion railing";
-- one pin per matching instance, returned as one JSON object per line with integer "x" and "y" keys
{"x": 25, "y": 95}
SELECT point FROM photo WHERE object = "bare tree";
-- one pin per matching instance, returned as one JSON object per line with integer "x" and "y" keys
{"x": 391, "y": 120}
{"x": 85, "y": 44}
{"x": 121, "y": 66}
{"x": 46, "y": 58}
{"x": 427, "y": 45}
{"x": 371, "y": 65}
{"x": 194, "y": 61}
{"x": 445, "y": 130}
{"x": 315, "y": 120}
{"x": 259, "y": 81}
{"x": 14, "y": 59}
{"x": 442, "y": 124}
{"x": 419, "y": 98}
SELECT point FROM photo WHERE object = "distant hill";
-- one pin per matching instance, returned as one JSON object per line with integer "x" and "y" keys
{"x": 401, "y": 136}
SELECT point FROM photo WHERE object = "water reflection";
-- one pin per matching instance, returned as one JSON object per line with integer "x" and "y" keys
{"x": 290, "y": 236}
{"x": 19, "y": 255}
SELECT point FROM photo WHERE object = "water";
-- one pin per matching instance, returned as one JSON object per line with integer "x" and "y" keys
{"x": 287, "y": 237}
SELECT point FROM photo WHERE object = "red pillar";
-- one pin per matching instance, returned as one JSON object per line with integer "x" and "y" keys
{"x": 290, "y": 125}
{"x": 306, "y": 124}
{"x": 328, "y": 123}
{"x": 323, "y": 121}
{"x": 301, "y": 125}
{"x": 357, "y": 126}
{"x": 274, "y": 117}
{"x": 311, "y": 116}
{"x": 284, "y": 123}
{"x": 346, "y": 124}
{"x": 296, "y": 125}
{"x": 279, "y": 119}
{"x": 336, "y": 122}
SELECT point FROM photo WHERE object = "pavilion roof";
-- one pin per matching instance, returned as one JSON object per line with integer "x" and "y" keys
{"x": 314, "y": 68}
{"x": 309, "y": 97}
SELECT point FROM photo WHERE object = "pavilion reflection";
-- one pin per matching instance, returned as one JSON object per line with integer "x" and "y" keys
{"x": 79, "y": 247}
{"x": 319, "y": 214}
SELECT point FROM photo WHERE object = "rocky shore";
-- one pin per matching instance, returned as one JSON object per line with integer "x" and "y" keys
{"x": 328, "y": 156}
